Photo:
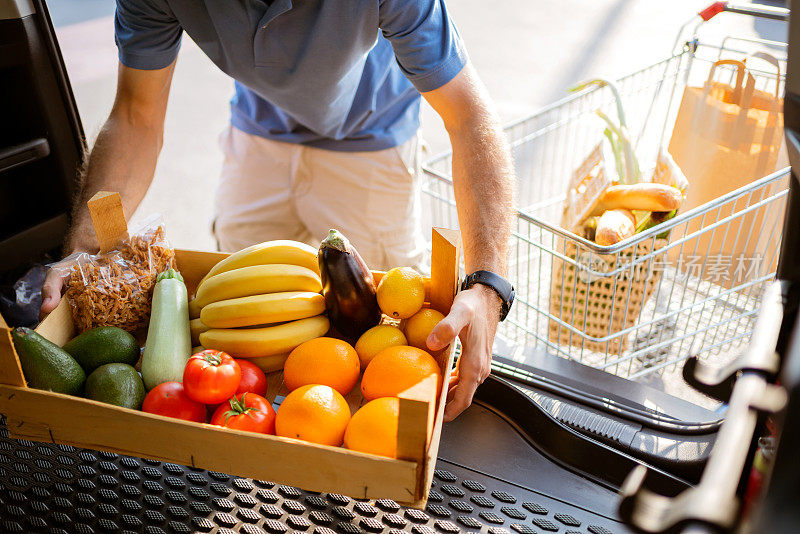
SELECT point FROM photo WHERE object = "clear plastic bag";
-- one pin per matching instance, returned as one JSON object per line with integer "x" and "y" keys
{"x": 116, "y": 288}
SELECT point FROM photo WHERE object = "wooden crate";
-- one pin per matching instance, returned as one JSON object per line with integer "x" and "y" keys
{"x": 56, "y": 418}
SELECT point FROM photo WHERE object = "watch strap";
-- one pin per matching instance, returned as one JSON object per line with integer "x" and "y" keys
{"x": 500, "y": 285}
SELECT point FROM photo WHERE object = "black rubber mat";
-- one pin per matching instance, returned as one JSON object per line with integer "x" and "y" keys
{"x": 62, "y": 489}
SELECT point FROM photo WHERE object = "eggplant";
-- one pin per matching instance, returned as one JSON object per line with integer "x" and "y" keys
{"x": 348, "y": 287}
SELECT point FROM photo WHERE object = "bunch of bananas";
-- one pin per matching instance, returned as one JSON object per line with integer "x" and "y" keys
{"x": 260, "y": 303}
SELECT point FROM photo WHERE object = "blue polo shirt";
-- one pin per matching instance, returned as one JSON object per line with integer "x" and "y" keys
{"x": 335, "y": 74}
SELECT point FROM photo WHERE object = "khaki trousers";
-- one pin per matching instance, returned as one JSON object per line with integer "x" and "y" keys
{"x": 272, "y": 190}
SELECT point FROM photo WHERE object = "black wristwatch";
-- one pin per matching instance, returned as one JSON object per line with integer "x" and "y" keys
{"x": 501, "y": 286}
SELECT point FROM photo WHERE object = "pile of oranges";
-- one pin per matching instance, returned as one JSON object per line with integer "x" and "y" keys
{"x": 321, "y": 372}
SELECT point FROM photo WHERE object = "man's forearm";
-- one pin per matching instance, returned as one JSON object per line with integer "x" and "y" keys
{"x": 483, "y": 179}
{"x": 123, "y": 159}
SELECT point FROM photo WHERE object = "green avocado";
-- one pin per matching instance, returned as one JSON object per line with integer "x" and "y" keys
{"x": 116, "y": 383}
{"x": 46, "y": 365}
{"x": 102, "y": 345}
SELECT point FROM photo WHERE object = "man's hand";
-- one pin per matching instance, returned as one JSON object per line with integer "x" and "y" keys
{"x": 473, "y": 317}
{"x": 483, "y": 182}
{"x": 51, "y": 291}
{"x": 52, "y": 288}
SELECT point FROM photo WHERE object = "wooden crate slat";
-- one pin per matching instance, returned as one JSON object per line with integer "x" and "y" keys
{"x": 194, "y": 264}
{"x": 10, "y": 369}
{"x": 52, "y": 417}
{"x": 445, "y": 261}
{"x": 426, "y": 477}
{"x": 58, "y": 327}
{"x": 445, "y": 258}
{"x": 415, "y": 421}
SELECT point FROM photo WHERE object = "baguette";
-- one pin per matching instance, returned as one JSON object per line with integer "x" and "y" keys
{"x": 643, "y": 196}
{"x": 613, "y": 226}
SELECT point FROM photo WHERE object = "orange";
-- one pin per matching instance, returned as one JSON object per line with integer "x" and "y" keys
{"x": 314, "y": 413}
{"x": 376, "y": 339}
{"x": 418, "y": 327}
{"x": 323, "y": 360}
{"x": 401, "y": 292}
{"x": 373, "y": 428}
{"x": 396, "y": 369}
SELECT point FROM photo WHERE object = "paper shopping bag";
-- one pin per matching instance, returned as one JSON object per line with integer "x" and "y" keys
{"x": 727, "y": 135}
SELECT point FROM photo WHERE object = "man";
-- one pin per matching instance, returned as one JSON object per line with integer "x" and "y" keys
{"x": 323, "y": 135}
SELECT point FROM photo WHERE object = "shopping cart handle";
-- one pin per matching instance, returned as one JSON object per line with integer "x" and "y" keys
{"x": 713, "y": 10}
{"x": 762, "y": 11}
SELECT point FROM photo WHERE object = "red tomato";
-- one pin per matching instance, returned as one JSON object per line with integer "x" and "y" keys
{"x": 253, "y": 379}
{"x": 211, "y": 376}
{"x": 171, "y": 400}
{"x": 249, "y": 412}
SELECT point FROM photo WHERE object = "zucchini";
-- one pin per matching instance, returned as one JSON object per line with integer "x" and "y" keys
{"x": 169, "y": 341}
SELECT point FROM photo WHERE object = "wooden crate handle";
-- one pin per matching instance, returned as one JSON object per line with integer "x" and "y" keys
{"x": 445, "y": 258}
{"x": 108, "y": 218}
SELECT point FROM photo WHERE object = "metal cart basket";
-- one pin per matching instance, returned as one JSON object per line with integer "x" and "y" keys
{"x": 699, "y": 300}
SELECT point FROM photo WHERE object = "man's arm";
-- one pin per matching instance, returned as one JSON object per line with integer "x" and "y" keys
{"x": 483, "y": 179}
{"x": 123, "y": 158}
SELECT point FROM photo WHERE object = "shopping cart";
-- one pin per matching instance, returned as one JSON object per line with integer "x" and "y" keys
{"x": 687, "y": 309}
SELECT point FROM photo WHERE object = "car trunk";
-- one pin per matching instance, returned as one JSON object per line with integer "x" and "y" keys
{"x": 549, "y": 445}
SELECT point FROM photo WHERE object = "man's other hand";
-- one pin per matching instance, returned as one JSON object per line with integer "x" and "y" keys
{"x": 473, "y": 317}
{"x": 51, "y": 291}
